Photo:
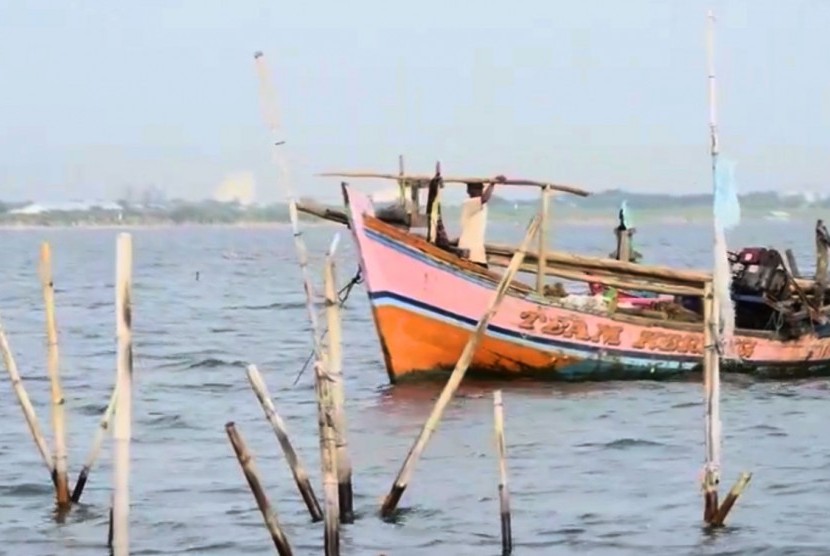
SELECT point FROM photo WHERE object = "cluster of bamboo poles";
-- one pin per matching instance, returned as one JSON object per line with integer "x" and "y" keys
{"x": 118, "y": 406}
{"x": 334, "y": 457}
{"x": 335, "y": 463}
{"x": 336, "y": 467}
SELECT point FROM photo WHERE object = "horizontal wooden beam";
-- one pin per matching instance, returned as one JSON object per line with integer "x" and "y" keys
{"x": 422, "y": 180}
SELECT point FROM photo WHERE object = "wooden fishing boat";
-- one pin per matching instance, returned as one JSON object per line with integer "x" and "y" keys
{"x": 426, "y": 300}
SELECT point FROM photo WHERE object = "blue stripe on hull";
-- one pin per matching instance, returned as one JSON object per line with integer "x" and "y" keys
{"x": 598, "y": 360}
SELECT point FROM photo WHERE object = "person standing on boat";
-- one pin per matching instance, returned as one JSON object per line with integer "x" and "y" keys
{"x": 474, "y": 220}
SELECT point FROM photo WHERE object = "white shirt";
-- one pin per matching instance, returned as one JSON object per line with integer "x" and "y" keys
{"x": 473, "y": 228}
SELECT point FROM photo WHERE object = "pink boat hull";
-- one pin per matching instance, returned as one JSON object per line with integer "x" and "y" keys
{"x": 425, "y": 303}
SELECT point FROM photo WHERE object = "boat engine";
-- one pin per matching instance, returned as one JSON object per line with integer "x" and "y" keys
{"x": 758, "y": 271}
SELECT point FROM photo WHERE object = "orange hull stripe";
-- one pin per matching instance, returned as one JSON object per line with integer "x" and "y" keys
{"x": 414, "y": 343}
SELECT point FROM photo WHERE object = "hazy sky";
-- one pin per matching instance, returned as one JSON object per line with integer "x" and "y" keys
{"x": 98, "y": 95}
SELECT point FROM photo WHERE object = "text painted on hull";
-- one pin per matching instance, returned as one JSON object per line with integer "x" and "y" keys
{"x": 576, "y": 328}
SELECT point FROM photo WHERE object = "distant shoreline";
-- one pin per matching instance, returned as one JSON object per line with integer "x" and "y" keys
{"x": 157, "y": 226}
{"x": 578, "y": 220}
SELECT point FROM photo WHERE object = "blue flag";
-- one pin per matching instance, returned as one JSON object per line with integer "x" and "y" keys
{"x": 727, "y": 209}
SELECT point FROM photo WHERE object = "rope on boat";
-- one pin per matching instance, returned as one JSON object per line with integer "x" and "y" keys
{"x": 342, "y": 296}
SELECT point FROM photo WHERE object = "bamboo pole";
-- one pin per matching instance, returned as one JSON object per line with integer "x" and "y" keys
{"x": 246, "y": 462}
{"x": 711, "y": 371}
{"x": 504, "y": 493}
{"x": 270, "y": 114}
{"x": 404, "y": 190}
{"x": 328, "y": 459}
{"x": 434, "y": 208}
{"x": 95, "y": 450}
{"x": 624, "y": 248}
{"x": 26, "y": 404}
{"x": 109, "y": 528}
{"x": 713, "y": 514}
{"x": 542, "y": 249}
{"x": 123, "y": 411}
{"x": 335, "y": 370}
{"x": 390, "y": 503}
{"x": 297, "y": 468}
{"x": 415, "y": 194}
{"x": 53, "y": 370}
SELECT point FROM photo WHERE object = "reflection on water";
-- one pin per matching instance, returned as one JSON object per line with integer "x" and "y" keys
{"x": 600, "y": 468}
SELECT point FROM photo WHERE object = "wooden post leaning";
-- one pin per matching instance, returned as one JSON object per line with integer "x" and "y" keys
{"x": 337, "y": 387}
{"x": 26, "y": 404}
{"x": 123, "y": 413}
{"x": 390, "y": 503}
{"x": 246, "y": 462}
{"x": 504, "y": 493}
{"x": 297, "y": 468}
{"x": 95, "y": 450}
{"x": 734, "y": 493}
{"x": 270, "y": 114}
{"x": 53, "y": 370}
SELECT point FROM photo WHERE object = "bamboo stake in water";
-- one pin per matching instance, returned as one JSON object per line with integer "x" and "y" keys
{"x": 95, "y": 450}
{"x": 123, "y": 411}
{"x": 504, "y": 493}
{"x": 246, "y": 461}
{"x": 109, "y": 527}
{"x": 328, "y": 459}
{"x": 390, "y": 503}
{"x": 542, "y": 250}
{"x": 297, "y": 468}
{"x": 711, "y": 358}
{"x": 714, "y": 515}
{"x": 335, "y": 369}
{"x": 711, "y": 362}
{"x": 270, "y": 114}
{"x": 720, "y": 515}
{"x": 53, "y": 369}
{"x": 26, "y": 404}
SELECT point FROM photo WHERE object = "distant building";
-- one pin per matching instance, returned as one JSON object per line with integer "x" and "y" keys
{"x": 239, "y": 188}
{"x": 71, "y": 206}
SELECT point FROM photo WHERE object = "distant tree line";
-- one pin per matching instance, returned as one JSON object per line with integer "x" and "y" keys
{"x": 156, "y": 209}
{"x": 171, "y": 212}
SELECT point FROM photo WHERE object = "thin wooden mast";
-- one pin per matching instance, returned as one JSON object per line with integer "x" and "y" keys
{"x": 711, "y": 378}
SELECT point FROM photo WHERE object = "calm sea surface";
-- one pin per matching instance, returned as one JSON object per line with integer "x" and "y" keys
{"x": 595, "y": 469}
